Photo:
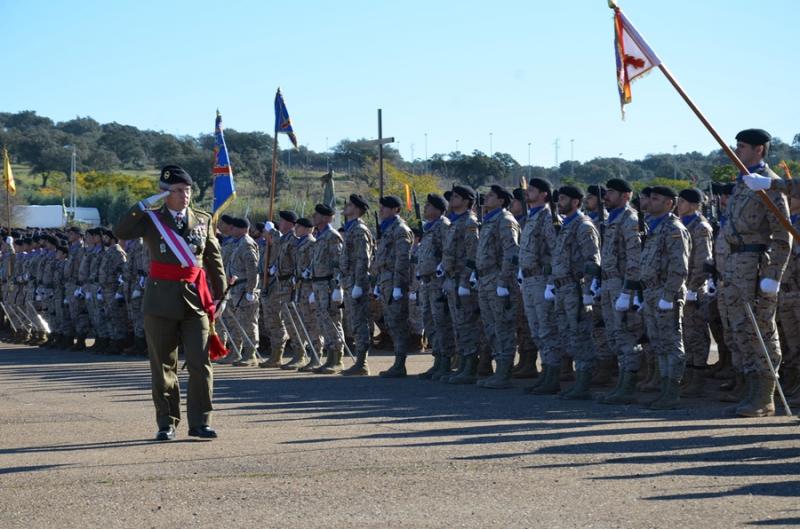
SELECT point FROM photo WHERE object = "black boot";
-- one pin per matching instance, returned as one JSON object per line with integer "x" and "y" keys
{"x": 398, "y": 370}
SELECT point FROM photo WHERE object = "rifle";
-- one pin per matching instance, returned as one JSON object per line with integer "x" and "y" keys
{"x": 416, "y": 209}
{"x": 710, "y": 210}
{"x": 377, "y": 226}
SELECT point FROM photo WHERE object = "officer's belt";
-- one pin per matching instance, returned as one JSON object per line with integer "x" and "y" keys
{"x": 321, "y": 278}
{"x": 748, "y": 248}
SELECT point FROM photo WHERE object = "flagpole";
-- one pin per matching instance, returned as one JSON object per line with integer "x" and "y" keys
{"x": 729, "y": 152}
{"x": 271, "y": 203}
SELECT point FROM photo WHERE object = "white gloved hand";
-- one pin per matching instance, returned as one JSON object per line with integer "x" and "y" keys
{"x": 711, "y": 288}
{"x": 136, "y": 294}
{"x": 412, "y": 296}
{"x": 769, "y": 286}
{"x": 78, "y": 292}
{"x": 142, "y": 280}
{"x": 273, "y": 270}
{"x": 623, "y": 303}
{"x": 594, "y": 287}
{"x": 550, "y": 293}
{"x": 376, "y": 291}
{"x": 473, "y": 280}
{"x": 38, "y": 297}
{"x": 337, "y": 296}
{"x": 588, "y": 299}
{"x": 269, "y": 226}
{"x": 439, "y": 270}
{"x": 312, "y": 299}
{"x": 397, "y": 294}
{"x": 519, "y": 276}
{"x": 99, "y": 295}
{"x": 663, "y": 304}
{"x": 249, "y": 297}
{"x": 306, "y": 274}
{"x": 502, "y": 292}
{"x": 463, "y": 292}
{"x": 691, "y": 295}
{"x": 756, "y": 182}
{"x": 357, "y": 292}
{"x": 118, "y": 296}
{"x": 149, "y": 201}
{"x": 66, "y": 301}
{"x": 638, "y": 303}
{"x": 120, "y": 280}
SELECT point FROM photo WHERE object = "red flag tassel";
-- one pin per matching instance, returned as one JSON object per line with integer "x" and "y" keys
{"x": 216, "y": 349}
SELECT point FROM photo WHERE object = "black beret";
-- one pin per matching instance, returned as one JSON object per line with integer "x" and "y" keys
{"x": 288, "y": 215}
{"x": 501, "y": 192}
{"x": 437, "y": 201}
{"x": 172, "y": 174}
{"x": 596, "y": 190}
{"x": 322, "y": 209}
{"x": 571, "y": 191}
{"x": 542, "y": 185}
{"x": 260, "y": 226}
{"x": 727, "y": 189}
{"x": 646, "y": 191}
{"x": 465, "y": 192}
{"x": 359, "y": 202}
{"x": 519, "y": 194}
{"x": 51, "y": 239}
{"x": 27, "y": 240}
{"x": 304, "y": 222}
{"x": 110, "y": 234}
{"x": 75, "y": 229}
{"x": 390, "y": 201}
{"x": 618, "y": 184}
{"x": 447, "y": 194}
{"x": 237, "y": 222}
{"x": 226, "y": 218}
{"x": 63, "y": 249}
{"x": 695, "y": 196}
{"x": 754, "y": 136}
{"x": 664, "y": 191}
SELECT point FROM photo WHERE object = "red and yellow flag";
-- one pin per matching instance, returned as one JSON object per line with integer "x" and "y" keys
{"x": 408, "y": 197}
{"x": 634, "y": 57}
{"x": 8, "y": 176}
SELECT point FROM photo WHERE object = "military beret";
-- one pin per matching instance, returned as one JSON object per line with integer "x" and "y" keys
{"x": 75, "y": 229}
{"x": 727, "y": 189}
{"x": 390, "y": 201}
{"x": 36, "y": 237}
{"x": 573, "y": 192}
{"x": 288, "y": 215}
{"x": 501, "y": 192}
{"x": 618, "y": 184}
{"x": 322, "y": 209}
{"x": 437, "y": 201}
{"x": 51, "y": 239}
{"x": 359, "y": 202}
{"x": 226, "y": 218}
{"x": 664, "y": 191}
{"x": 62, "y": 248}
{"x": 173, "y": 174}
{"x": 110, "y": 234}
{"x": 541, "y": 184}
{"x": 27, "y": 240}
{"x": 695, "y": 196}
{"x": 447, "y": 194}
{"x": 754, "y": 136}
{"x": 646, "y": 191}
{"x": 304, "y": 222}
{"x": 465, "y": 192}
{"x": 519, "y": 194}
{"x": 259, "y": 226}
{"x": 596, "y": 190}
{"x": 241, "y": 223}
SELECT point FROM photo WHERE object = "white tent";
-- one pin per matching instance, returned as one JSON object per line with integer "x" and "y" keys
{"x": 53, "y": 216}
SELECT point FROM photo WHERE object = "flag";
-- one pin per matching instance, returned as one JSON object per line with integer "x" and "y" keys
{"x": 282, "y": 121}
{"x": 408, "y": 197}
{"x": 634, "y": 57}
{"x": 8, "y": 176}
{"x": 224, "y": 190}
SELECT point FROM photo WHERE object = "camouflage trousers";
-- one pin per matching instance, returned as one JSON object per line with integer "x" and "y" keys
{"x": 395, "y": 313}
{"x": 465, "y": 315}
{"x": 575, "y": 324}
{"x": 665, "y": 332}
{"x": 727, "y": 333}
{"x": 79, "y": 317}
{"x": 309, "y": 317}
{"x": 540, "y": 314}
{"x": 136, "y": 316}
{"x": 622, "y": 329}
{"x": 245, "y": 334}
{"x": 436, "y": 317}
{"x": 50, "y": 311}
{"x": 696, "y": 332}
{"x": 499, "y": 317}
{"x": 416, "y": 321}
{"x": 740, "y": 288}
{"x": 357, "y": 316}
{"x": 789, "y": 323}
{"x": 96, "y": 311}
{"x": 273, "y": 314}
{"x": 525, "y": 342}
{"x": 61, "y": 312}
{"x": 116, "y": 314}
{"x": 329, "y": 317}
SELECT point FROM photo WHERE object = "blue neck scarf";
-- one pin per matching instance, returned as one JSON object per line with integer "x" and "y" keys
{"x": 489, "y": 216}
{"x": 386, "y": 224}
{"x": 569, "y": 219}
{"x": 654, "y": 222}
{"x": 760, "y": 166}
{"x": 430, "y": 224}
{"x": 688, "y": 219}
{"x": 349, "y": 224}
{"x": 455, "y": 216}
{"x": 613, "y": 214}
{"x": 533, "y": 211}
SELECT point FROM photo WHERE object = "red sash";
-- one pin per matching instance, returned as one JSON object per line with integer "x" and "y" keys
{"x": 190, "y": 274}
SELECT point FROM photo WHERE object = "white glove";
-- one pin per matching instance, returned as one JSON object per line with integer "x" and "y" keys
{"x": 337, "y": 296}
{"x": 269, "y": 226}
{"x": 273, "y": 269}
{"x": 519, "y": 276}
{"x": 769, "y": 286}
{"x": 376, "y": 291}
{"x": 711, "y": 288}
{"x": 311, "y": 298}
{"x": 623, "y": 303}
{"x": 549, "y": 293}
{"x": 594, "y": 288}
{"x": 149, "y": 201}
{"x": 38, "y": 297}
{"x": 397, "y": 294}
{"x": 473, "y": 280}
{"x": 663, "y": 304}
{"x": 249, "y": 297}
{"x": 502, "y": 292}
{"x": 757, "y": 182}
{"x": 66, "y": 301}
{"x": 412, "y": 296}
{"x": 136, "y": 294}
{"x": 463, "y": 292}
{"x": 118, "y": 296}
{"x": 637, "y": 302}
{"x": 141, "y": 281}
{"x": 306, "y": 274}
{"x": 99, "y": 295}
{"x": 691, "y": 295}
{"x": 357, "y": 292}
{"x": 588, "y": 299}
{"x": 78, "y": 292}
{"x": 439, "y": 270}
{"x": 120, "y": 280}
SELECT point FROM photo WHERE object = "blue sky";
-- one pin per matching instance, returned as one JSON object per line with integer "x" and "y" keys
{"x": 522, "y": 71}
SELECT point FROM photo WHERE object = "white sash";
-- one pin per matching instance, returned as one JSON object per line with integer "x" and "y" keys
{"x": 176, "y": 243}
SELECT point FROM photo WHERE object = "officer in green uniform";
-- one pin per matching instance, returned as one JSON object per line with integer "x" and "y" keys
{"x": 177, "y": 302}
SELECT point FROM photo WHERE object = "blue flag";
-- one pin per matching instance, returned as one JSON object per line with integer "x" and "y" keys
{"x": 282, "y": 121}
{"x": 224, "y": 190}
